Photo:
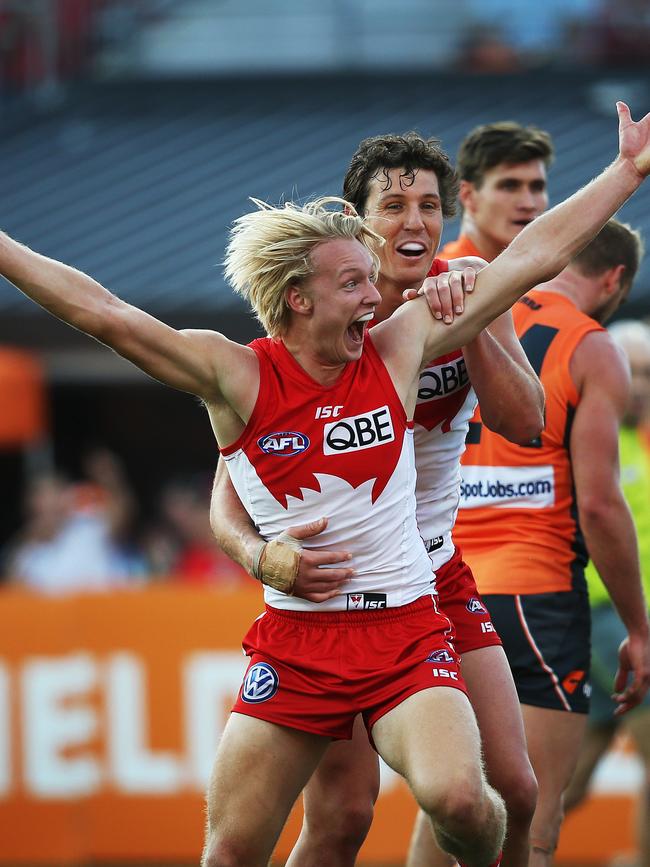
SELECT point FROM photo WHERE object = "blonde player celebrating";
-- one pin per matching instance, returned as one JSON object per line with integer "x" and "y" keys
{"x": 309, "y": 274}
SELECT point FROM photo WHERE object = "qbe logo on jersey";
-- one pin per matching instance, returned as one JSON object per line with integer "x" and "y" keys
{"x": 260, "y": 684}
{"x": 441, "y": 380}
{"x": 358, "y": 432}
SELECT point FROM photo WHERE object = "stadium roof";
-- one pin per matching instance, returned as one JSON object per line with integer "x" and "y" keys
{"x": 137, "y": 183}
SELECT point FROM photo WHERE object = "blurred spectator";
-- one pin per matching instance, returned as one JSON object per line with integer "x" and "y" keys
{"x": 75, "y": 536}
{"x": 184, "y": 546}
{"x": 533, "y": 32}
{"x": 624, "y": 33}
{"x": 607, "y": 631}
{"x": 485, "y": 49}
{"x": 21, "y": 60}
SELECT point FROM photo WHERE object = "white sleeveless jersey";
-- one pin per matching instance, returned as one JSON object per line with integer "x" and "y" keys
{"x": 445, "y": 405}
{"x": 344, "y": 452}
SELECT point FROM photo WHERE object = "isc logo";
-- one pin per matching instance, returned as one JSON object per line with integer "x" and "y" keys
{"x": 358, "y": 432}
{"x": 443, "y": 672}
{"x": 441, "y": 380}
{"x": 283, "y": 443}
{"x": 328, "y": 411}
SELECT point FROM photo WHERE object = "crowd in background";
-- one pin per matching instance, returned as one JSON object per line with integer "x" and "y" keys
{"x": 46, "y": 43}
{"x": 91, "y": 534}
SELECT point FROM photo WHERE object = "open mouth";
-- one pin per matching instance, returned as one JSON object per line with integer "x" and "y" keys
{"x": 357, "y": 328}
{"x": 412, "y": 249}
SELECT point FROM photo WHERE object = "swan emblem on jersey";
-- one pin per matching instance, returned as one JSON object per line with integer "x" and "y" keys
{"x": 341, "y": 451}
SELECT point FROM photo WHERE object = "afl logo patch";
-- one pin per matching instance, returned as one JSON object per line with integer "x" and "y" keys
{"x": 285, "y": 444}
{"x": 441, "y": 656}
{"x": 260, "y": 684}
{"x": 475, "y": 606}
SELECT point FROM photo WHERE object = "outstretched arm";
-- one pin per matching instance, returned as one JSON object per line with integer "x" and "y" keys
{"x": 187, "y": 360}
{"x": 601, "y": 376}
{"x": 238, "y": 536}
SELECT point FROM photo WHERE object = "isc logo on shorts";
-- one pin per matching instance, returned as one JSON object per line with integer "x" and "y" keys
{"x": 444, "y": 672}
{"x": 366, "y": 601}
{"x": 260, "y": 684}
{"x": 283, "y": 443}
{"x": 358, "y": 432}
{"x": 441, "y": 657}
{"x": 475, "y": 606}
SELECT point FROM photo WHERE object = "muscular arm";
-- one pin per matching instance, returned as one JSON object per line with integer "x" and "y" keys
{"x": 603, "y": 381}
{"x": 238, "y": 536}
{"x": 509, "y": 392}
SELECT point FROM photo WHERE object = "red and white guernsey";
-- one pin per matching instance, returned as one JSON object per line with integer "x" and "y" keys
{"x": 343, "y": 451}
{"x": 445, "y": 406}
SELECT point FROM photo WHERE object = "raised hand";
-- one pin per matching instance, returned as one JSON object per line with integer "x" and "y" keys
{"x": 634, "y": 139}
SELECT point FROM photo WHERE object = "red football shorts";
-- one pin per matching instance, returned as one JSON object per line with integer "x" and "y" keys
{"x": 316, "y": 671}
{"x": 460, "y": 600}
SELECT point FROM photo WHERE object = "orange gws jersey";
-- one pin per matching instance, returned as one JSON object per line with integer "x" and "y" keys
{"x": 518, "y": 523}
{"x": 457, "y": 249}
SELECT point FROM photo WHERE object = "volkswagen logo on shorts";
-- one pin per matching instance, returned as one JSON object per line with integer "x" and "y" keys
{"x": 260, "y": 684}
{"x": 285, "y": 443}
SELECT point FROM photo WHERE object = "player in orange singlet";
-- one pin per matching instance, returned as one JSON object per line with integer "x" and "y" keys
{"x": 502, "y": 170}
{"x": 529, "y": 514}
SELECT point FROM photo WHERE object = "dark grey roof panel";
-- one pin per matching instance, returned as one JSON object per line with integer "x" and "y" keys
{"x": 137, "y": 184}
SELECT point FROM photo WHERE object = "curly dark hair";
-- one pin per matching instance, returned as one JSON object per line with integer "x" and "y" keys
{"x": 377, "y": 155}
{"x": 508, "y": 142}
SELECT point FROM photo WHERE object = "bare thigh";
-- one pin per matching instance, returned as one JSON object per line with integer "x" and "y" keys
{"x": 432, "y": 740}
{"x": 259, "y": 770}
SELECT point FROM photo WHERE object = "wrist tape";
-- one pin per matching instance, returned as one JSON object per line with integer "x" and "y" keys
{"x": 277, "y": 562}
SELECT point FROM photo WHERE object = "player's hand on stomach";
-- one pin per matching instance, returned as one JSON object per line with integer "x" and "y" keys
{"x": 311, "y": 575}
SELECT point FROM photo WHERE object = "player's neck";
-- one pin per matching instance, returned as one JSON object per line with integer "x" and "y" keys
{"x": 485, "y": 245}
{"x": 572, "y": 286}
{"x": 320, "y": 368}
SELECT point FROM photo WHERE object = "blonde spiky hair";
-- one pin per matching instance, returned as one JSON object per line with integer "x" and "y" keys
{"x": 269, "y": 249}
